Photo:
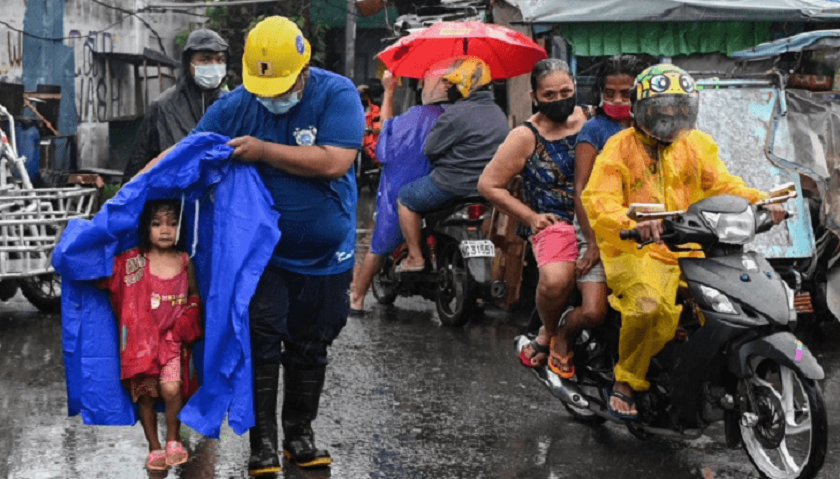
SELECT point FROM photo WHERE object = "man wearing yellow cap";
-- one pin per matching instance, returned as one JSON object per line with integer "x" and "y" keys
{"x": 302, "y": 126}
{"x": 459, "y": 146}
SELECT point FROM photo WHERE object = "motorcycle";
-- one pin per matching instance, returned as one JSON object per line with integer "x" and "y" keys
{"x": 459, "y": 262}
{"x": 733, "y": 359}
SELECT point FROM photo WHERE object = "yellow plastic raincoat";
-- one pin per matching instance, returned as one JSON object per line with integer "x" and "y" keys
{"x": 632, "y": 168}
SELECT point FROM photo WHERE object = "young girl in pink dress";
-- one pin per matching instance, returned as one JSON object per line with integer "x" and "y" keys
{"x": 155, "y": 297}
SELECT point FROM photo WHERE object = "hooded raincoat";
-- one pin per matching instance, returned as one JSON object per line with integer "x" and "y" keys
{"x": 633, "y": 168}
{"x": 232, "y": 238}
{"x": 177, "y": 110}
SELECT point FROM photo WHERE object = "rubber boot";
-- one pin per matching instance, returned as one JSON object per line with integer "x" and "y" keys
{"x": 302, "y": 392}
{"x": 263, "y": 436}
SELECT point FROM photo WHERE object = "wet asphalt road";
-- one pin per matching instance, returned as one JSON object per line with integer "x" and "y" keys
{"x": 405, "y": 398}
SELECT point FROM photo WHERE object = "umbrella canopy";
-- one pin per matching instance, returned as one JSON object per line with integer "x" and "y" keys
{"x": 507, "y": 52}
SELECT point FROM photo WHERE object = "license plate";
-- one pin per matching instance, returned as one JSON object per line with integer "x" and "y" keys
{"x": 478, "y": 249}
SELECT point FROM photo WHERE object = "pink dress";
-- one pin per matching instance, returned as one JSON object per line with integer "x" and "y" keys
{"x": 168, "y": 302}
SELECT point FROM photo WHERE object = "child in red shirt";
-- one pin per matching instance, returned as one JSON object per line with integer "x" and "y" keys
{"x": 155, "y": 297}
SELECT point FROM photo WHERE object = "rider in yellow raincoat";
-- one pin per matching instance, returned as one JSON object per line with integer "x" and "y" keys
{"x": 663, "y": 159}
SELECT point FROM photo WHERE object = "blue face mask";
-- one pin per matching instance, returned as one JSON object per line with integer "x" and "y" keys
{"x": 280, "y": 105}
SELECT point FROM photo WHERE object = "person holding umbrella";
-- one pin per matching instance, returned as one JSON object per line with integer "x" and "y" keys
{"x": 459, "y": 146}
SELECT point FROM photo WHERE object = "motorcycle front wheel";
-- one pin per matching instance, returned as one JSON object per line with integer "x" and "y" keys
{"x": 790, "y": 437}
{"x": 456, "y": 296}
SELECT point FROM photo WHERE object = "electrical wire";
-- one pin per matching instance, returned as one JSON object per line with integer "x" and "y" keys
{"x": 10, "y": 27}
{"x": 122, "y": 10}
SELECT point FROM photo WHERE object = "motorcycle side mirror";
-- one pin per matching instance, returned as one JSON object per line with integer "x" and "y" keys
{"x": 650, "y": 211}
{"x": 780, "y": 194}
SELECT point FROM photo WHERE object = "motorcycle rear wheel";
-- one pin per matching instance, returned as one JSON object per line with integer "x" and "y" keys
{"x": 456, "y": 296}
{"x": 383, "y": 284}
{"x": 786, "y": 400}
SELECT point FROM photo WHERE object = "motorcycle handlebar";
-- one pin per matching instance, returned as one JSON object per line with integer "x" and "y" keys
{"x": 630, "y": 235}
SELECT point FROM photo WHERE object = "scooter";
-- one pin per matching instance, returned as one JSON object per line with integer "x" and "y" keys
{"x": 733, "y": 359}
{"x": 459, "y": 263}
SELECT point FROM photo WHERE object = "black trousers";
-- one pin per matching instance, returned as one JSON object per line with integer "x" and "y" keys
{"x": 295, "y": 317}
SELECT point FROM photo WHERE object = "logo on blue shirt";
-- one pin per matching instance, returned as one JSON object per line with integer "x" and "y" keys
{"x": 306, "y": 137}
{"x": 343, "y": 256}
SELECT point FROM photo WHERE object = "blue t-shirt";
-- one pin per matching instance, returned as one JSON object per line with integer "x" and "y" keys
{"x": 317, "y": 215}
{"x": 598, "y": 130}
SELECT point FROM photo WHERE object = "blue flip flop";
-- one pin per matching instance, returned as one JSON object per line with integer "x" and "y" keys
{"x": 610, "y": 393}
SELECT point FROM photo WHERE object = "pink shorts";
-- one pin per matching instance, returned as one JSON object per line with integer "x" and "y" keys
{"x": 556, "y": 243}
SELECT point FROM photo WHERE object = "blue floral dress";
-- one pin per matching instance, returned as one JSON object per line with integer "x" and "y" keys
{"x": 548, "y": 180}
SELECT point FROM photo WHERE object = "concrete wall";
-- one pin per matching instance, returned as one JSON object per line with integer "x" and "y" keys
{"x": 100, "y": 92}
{"x": 86, "y": 21}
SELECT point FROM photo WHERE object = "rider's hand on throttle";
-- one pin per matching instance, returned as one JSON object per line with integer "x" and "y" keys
{"x": 650, "y": 230}
{"x": 777, "y": 211}
{"x": 248, "y": 149}
{"x": 540, "y": 222}
{"x": 588, "y": 261}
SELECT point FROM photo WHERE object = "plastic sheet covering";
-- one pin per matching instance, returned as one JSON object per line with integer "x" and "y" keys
{"x": 739, "y": 120}
{"x": 560, "y": 11}
{"x": 818, "y": 40}
{"x": 237, "y": 232}
{"x": 813, "y": 121}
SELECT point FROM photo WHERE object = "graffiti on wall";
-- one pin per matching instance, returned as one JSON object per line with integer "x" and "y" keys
{"x": 93, "y": 90}
{"x": 11, "y": 67}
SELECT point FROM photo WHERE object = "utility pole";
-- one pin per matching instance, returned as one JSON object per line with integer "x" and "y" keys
{"x": 350, "y": 41}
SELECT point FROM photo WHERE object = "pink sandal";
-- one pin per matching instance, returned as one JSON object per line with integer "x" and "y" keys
{"x": 156, "y": 460}
{"x": 175, "y": 453}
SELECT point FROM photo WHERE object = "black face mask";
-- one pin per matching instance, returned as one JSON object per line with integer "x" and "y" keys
{"x": 453, "y": 94}
{"x": 557, "y": 111}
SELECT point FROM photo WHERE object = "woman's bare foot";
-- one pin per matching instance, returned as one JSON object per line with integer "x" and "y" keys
{"x": 619, "y": 405}
{"x": 538, "y": 358}
{"x": 560, "y": 349}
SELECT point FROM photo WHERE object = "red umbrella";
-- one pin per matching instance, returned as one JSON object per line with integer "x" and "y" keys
{"x": 507, "y": 52}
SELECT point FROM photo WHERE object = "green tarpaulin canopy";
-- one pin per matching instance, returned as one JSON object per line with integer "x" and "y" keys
{"x": 669, "y": 39}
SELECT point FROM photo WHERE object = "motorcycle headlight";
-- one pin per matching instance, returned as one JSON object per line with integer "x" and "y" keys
{"x": 732, "y": 228}
{"x": 718, "y": 300}
{"x": 790, "y": 295}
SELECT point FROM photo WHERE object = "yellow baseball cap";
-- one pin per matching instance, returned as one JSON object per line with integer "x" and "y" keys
{"x": 275, "y": 54}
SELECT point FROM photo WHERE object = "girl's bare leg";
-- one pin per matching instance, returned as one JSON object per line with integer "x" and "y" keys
{"x": 148, "y": 418}
{"x": 171, "y": 392}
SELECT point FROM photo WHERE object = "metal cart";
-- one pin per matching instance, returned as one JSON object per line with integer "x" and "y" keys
{"x": 31, "y": 223}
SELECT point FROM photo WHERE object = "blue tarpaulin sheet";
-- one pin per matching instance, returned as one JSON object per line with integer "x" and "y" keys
{"x": 237, "y": 231}
{"x": 821, "y": 39}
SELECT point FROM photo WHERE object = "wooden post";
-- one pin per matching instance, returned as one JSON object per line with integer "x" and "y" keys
{"x": 145, "y": 85}
{"x": 350, "y": 41}
{"x": 108, "y": 94}
{"x": 519, "y": 100}
{"x": 138, "y": 94}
